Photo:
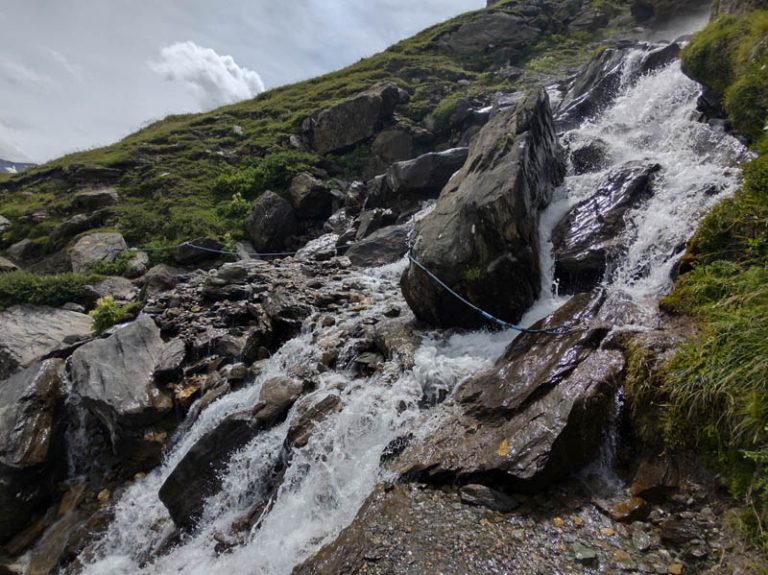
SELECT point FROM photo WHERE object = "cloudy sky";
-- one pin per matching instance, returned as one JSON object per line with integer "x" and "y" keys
{"x": 79, "y": 73}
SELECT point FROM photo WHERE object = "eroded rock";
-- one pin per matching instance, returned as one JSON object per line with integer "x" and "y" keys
{"x": 96, "y": 248}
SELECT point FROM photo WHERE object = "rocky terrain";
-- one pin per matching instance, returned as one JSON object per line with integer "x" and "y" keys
{"x": 318, "y": 365}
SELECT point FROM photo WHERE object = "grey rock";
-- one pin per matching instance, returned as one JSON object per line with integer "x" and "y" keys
{"x": 161, "y": 278}
{"x": 96, "y": 248}
{"x": 587, "y": 239}
{"x": 7, "y": 265}
{"x": 119, "y": 288}
{"x": 171, "y": 359}
{"x": 393, "y": 145}
{"x": 197, "y": 250}
{"x": 78, "y": 224}
{"x": 138, "y": 265}
{"x": 5, "y": 223}
{"x": 26, "y": 250}
{"x": 271, "y": 222}
{"x": 94, "y": 199}
{"x": 484, "y": 496}
{"x": 353, "y": 120}
{"x": 373, "y": 220}
{"x": 384, "y": 246}
{"x": 29, "y": 333}
{"x": 426, "y": 175}
{"x": 115, "y": 379}
{"x": 311, "y": 198}
{"x": 591, "y": 157}
{"x": 31, "y": 443}
{"x": 482, "y": 237}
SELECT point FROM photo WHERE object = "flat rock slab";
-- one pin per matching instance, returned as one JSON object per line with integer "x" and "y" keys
{"x": 29, "y": 333}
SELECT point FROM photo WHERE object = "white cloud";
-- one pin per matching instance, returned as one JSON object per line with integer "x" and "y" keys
{"x": 64, "y": 62}
{"x": 23, "y": 76}
{"x": 214, "y": 79}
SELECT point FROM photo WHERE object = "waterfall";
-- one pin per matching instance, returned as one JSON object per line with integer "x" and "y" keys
{"x": 653, "y": 120}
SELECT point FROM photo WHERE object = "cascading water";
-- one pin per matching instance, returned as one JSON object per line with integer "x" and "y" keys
{"x": 653, "y": 120}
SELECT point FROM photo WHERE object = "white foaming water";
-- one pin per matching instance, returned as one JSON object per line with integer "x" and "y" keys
{"x": 327, "y": 480}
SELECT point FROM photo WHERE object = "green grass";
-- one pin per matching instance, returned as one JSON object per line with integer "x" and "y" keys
{"x": 21, "y": 287}
{"x": 713, "y": 392}
{"x": 108, "y": 313}
{"x": 175, "y": 174}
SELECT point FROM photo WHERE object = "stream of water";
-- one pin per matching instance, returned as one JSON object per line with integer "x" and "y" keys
{"x": 327, "y": 481}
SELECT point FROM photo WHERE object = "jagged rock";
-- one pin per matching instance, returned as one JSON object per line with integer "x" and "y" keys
{"x": 197, "y": 474}
{"x": 373, "y": 220}
{"x": 7, "y": 265}
{"x": 95, "y": 199}
{"x": 311, "y": 198}
{"x": 271, "y": 222}
{"x": 484, "y": 496}
{"x": 312, "y": 414}
{"x": 160, "y": 278}
{"x": 382, "y": 247}
{"x": 29, "y": 333}
{"x": 31, "y": 442}
{"x": 426, "y": 175}
{"x": 121, "y": 289}
{"x": 286, "y": 311}
{"x": 26, "y": 250}
{"x": 588, "y": 238}
{"x": 320, "y": 250}
{"x": 482, "y": 237}
{"x": 536, "y": 416}
{"x": 137, "y": 265}
{"x": 115, "y": 379}
{"x": 353, "y": 120}
{"x": 197, "y": 251}
{"x": 96, "y": 248}
{"x": 393, "y": 146}
{"x": 171, "y": 359}
{"x": 77, "y": 224}
{"x": 591, "y": 157}
{"x": 660, "y": 57}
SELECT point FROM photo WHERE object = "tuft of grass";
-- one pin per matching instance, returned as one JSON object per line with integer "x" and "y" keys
{"x": 108, "y": 313}
{"x": 20, "y": 287}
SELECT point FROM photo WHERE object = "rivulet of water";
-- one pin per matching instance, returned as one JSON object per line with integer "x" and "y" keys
{"x": 653, "y": 120}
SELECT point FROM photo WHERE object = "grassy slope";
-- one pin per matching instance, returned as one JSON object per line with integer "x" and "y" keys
{"x": 715, "y": 388}
{"x": 168, "y": 170}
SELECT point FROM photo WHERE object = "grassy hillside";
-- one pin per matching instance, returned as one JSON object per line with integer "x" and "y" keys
{"x": 177, "y": 176}
{"x": 714, "y": 391}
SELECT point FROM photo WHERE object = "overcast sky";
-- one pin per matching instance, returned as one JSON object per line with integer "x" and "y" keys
{"x": 75, "y": 74}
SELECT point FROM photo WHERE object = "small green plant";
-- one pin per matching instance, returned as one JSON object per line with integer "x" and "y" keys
{"x": 118, "y": 267}
{"x": 272, "y": 172}
{"x": 473, "y": 274}
{"x": 108, "y": 313}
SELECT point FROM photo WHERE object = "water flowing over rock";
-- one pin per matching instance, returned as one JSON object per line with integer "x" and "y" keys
{"x": 537, "y": 416}
{"x": 482, "y": 237}
{"x": 96, "y": 248}
{"x": 31, "y": 437}
{"x": 29, "y": 333}
{"x": 271, "y": 222}
{"x": 353, "y": 120}
{"x": 589, "y": 238}
{"x": 115, "y": 379}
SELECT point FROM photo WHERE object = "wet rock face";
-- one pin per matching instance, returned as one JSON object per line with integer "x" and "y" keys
{"x": 588, "y": 238}
{"x": 31, "y": 455}
{"x": 115, "y": 379}
{"x": 535, "y": 417}
{"x": 353, "y": 120}
{"x": 29, "y": 333}
{"x": 96, "y": 248}
{"x": 599, "y": 83}
{"x": 271, "y": 222}
{"x": 482, "y": 237}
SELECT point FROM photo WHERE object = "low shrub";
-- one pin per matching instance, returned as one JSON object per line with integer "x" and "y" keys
{"x": 22, "y": 287}
{"x": 108, "y": 313}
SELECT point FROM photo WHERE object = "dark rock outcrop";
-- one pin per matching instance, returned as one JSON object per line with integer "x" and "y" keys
{"x": 425, "y": 176}
{"x": 311, "y": 198}
{"x": 482, "y": 237}
{"x": 30, "y": 333}
{"x": 589, "y": 236}
{"x": 115, "y": 379}
{"x": 535, "y": 417}
{"x": 353, "y": 120}
{"x": 198, "y": 250}
{"x": 31, "y": 442}
{"x": 95, "y": 199}
{"x": 271, "y": 222}
{"x": 197, "y": 474}
{"x": 26, "y": 250}
{"x": 382, "y": 247}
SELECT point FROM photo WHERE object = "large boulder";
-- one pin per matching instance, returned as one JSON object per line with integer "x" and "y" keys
{"x": 482, "y": 237}
{"x": 426, "y": 175}
{"x": 95, "y": 199}
{"x": 96, "y": 248}
{"x": 311, "y": 198}
{"x": 538, "y": 415}
{"x": 197, "y": 475}
{"x": 382, "y": 247}
{"x": 115, "y": 379}
{"x": 31, "y": 442}
{"x": 588, "y": 238}
{"x": 197, "y": 251}
{"x": 352, "y": 120}
{"x": 30, "y": 333}
{"x": 26, "y": 250}
{"x": 272, "y": 221}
